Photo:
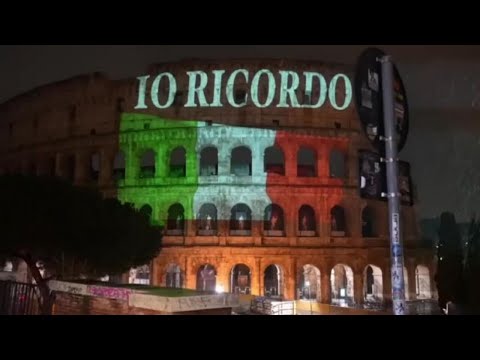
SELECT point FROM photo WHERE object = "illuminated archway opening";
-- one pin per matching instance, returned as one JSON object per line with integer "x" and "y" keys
{"x": 309, "y": 283}
{"x": 147, "y": 165}
{"x": 174, "y": 278}
{"x": 372, "y": 284}
{"x": 240, "y": 279}
{"x": 178, "y": 162}
{"x": 306, "y": 221}
{"x": 176, "y": 220}
{"x": 273, "y": 281}
{"x": 274, "y": 222}
{"x": 241, "y": 161}
{"x": 338, "y": 223}
{"x": 306, "y": 162}
{"x": 341, "y": 279}
{"x": 274, "y": 161}
{"x": 207, "y": 220}
{"x": 240, "y": 220}
{"x": 422, "y": 282}
{"x": 206, "y": 278}
{"x": 209, "y": 161}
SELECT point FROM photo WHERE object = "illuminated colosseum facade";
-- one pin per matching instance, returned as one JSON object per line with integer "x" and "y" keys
{"x": 256, "y": 200}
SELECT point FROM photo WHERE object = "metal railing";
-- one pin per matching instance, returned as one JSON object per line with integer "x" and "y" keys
{"x": 19, "y": 298}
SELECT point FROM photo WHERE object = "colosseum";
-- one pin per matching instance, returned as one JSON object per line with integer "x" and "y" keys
{"x": 253, "y": 199}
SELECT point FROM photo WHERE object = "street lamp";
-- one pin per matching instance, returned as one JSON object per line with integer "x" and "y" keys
{"x": 307, "y": 284}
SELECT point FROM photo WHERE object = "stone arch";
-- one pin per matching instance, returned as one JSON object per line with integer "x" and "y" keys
{"x": 309, "y": 283}
{"x": 306, "y": 162}
{"x": 207, "y": 220}
{"x": 206, "y": 278}
{"x": 338, "y": 221}
{"x": 341, "y": 280}
{"x": 241, "y": 161}
{"x": 178, "y": 162}
{"x": 173, "y": 276}
{"x": 147, "y": 164}
{"x": 372, "y": 284}
{"x": 241, "y": 220}
{"x": 176, "y": 219}
{"x": 240, "y": 279}
{"x": 147, "y": 211}
{"x": 273, "y": 220}
{"x": 422, "y": 282}
{"x": 307, "y": 225}
{"x": 273, "y": 281}
{"x": 337, "y": 164}
{"x": 274, "y": 160}
{"x": 209, "y": 161}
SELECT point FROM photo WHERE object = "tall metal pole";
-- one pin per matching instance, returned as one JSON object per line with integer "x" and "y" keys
{"x": 396, "y": 248}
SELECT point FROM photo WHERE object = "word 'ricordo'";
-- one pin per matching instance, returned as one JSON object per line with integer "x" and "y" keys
{"x": 287, "y": 97}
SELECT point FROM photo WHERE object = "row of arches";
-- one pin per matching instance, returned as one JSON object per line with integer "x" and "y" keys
{"x": 274, "y": 219}
{"x": 240, "y": 163}
{"x": 309, "y": 285}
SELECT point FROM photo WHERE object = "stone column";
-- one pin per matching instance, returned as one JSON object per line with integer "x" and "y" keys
{"x": 223, "y": 275}
{"x": 323, "y": 161}
{"x": 257, "y": 162}
{"x": 353, "y": 217}
{"x": 291, "y": 162}
{"x": 291, "y": 280}
{"x": 190, "y": 275}
{"x": 191, "y": 163}
{"x": 323, "y": 218}
{"x": 132, "y": 165}
{"x": 259, "y": 276}
{"x": 326, "y": 287}
{"x": 223, "y": 161}
{"x": 358, "y": 288}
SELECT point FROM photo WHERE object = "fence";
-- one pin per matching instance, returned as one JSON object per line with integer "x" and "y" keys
{"x": 18, "y": 298}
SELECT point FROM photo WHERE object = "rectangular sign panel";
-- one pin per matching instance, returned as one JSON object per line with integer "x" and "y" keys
{"x": 372, "y": 178}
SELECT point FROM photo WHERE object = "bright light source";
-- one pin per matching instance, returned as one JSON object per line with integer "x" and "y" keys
{"x": 219, "y": 289}
{"x": 342, "y": 292}
{"x": 307, "y": 283}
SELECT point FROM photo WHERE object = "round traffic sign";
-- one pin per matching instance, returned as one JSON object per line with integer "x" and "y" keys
{"x": 369, "y": 99}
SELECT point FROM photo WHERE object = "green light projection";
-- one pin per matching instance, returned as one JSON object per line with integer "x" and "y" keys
{"x": 167, "y": 186}
{"x": 224, "y": 184}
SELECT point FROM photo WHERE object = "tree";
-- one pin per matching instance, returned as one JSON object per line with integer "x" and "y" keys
{"x": 472, "y": 268}
{"x": 449, "y": 276}
{"x": 49, "y": 220}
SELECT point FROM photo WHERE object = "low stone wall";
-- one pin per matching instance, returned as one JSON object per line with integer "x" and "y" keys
{"x": 81, "y": 299}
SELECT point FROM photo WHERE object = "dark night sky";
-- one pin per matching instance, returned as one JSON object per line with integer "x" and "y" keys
{"x": 442, "y": 83}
